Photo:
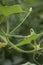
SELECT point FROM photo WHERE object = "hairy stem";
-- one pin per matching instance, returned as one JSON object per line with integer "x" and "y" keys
{"x": 3, "y": 38}
{"x": 20, "y": 50}
{"x": 7, "y": 26}
{"x": 18, "y": 36}
{"x": 22, "y": 21}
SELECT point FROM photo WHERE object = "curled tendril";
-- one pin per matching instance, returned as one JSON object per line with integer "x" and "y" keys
{"x": 32, "y": 31}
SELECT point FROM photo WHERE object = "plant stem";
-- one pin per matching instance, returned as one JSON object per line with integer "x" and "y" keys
{"x": 20, "y": 50}
{"x": 16, "y": 48}
{"x": 2, "y": 31}
{"x": 3, "y": 38}
{"x": 7, "y": 26}
{"x": 18, "y": 36}
{"x": 30, "y": 10}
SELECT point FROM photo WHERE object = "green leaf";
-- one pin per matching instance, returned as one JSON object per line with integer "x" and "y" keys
{"x": 28, "y": 40}
{"x": 8, "y": 10}
{"x": 2, "y": 18}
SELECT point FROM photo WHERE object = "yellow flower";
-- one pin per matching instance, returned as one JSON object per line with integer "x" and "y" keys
{"x": 2, "y": 44}
{"x": 37, "y": 46}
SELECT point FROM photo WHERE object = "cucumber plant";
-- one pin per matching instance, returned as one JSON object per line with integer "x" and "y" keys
{"x": 6, "y": 35}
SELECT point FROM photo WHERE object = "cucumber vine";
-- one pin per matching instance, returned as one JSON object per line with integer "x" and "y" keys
{"x": 26, "y": 39}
